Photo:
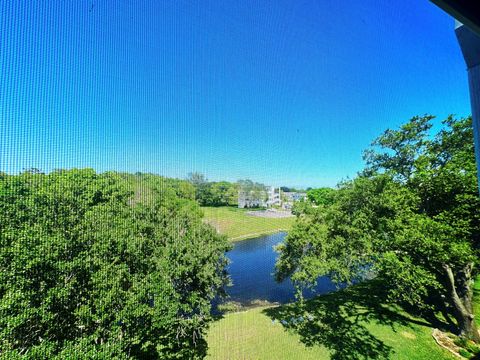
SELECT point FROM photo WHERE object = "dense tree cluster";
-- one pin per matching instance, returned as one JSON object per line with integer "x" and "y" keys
{"x": 411, "y": 218}
{"x": 321, "y": 196}
{"x": 104, "y": 266}
{"x": 254, "y": 193}
{"x": 211, "y": 193}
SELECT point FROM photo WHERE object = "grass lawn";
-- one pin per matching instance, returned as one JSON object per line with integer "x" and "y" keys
{"x": 252, "y": 335}
{"x": 476, "y": 300}
{"x": 350, "y": 324}
{"x": 237, "y": 225}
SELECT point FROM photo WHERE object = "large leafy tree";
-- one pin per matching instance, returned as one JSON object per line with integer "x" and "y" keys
{"x": 224, "y": 193}
{"x": 411, "y": 218}
{"x": 252, "y": 190}
{"x": 209, "y": 193}
{"x": 104, "y": 266}
{"x": 321, "y": 196}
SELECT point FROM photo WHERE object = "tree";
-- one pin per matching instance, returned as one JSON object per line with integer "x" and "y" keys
{"x": 411, "y": 217}
{"x": 224, "y": 194}
{"x": 203, "y": 189}
{"x": 321, "y": 196}
{"x": 196, "y": 178}
{"x": 396, "y": 151}
{"x": 104, "y": 266}
{"x": 302, "y": 207}
{"x": 253, "y": 191}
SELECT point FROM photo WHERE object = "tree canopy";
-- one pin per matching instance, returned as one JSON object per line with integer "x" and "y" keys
{"x": 253, "y": 190}
{"x": 102, "y": 266}
{"x": 410, "y": 218}
{"x": 222, "y": 193}
{"x": 321, "y": 196}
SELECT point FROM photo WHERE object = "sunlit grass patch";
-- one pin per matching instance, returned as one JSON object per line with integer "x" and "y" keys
{"x": 238, "y": 225}
{"x": 353, "y": 323}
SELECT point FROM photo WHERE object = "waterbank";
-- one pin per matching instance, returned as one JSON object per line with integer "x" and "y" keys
{"x": 257, "y": 235}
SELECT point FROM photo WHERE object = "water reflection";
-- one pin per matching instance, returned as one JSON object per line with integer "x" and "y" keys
{"x": 252, "y": 267}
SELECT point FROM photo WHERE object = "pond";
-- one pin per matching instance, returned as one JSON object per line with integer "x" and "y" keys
{"x": 251, "y": 270}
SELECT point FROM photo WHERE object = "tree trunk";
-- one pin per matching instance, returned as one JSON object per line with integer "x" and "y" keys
{"x": 460, "y": 297}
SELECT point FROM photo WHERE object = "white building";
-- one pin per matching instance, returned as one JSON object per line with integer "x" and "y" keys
{"x": 271, "y": 198}
{"x": 274, "y": 197}
{"x": 288, "y": 198}
{"x": 251, "y": 199}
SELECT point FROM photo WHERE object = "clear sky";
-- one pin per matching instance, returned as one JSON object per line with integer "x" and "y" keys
{"x": 282, "y": 92}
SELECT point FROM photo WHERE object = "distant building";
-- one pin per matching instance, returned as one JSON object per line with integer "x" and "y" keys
{"x": 274, "y": 197}
{"x": 294, "y": 196}
{"x": 271, "y": 198}
{"x": 289, "y": 198}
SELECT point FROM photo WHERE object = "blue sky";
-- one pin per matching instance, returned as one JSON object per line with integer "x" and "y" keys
{"x": 282, "y": 92}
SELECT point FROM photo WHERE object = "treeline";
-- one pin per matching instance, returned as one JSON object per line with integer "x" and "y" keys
{"x": 105, "y": 266}
{"x": 223, "y": 193}
{"x": 411, "y": 218}
{"x": 211, "y": 193}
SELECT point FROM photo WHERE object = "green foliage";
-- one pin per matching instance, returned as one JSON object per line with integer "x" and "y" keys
{"x": 396, "y": 151}
{"x": 315, "y": 197}
{"x": 207, "y": 193}
{"x": 102, "y": 266}
{"x": 223, "y": 193}
{"x": 253, "y": 190}
{"x": 302, "y": 207}
{"x": 469, "y": 346}
{"x": 411, "y": 217}
{"x": 229, "y": 306}
{"x": 465, "y": 354}
{"x": 472, "y": 347}
{"x": 321, "y": 196}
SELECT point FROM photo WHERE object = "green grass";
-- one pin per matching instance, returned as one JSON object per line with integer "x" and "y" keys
{"x": 476, "y": 300}
{"x": 237, "y": 225}
{"x": 350, "y": 324}
{"x": 252, "y": 335}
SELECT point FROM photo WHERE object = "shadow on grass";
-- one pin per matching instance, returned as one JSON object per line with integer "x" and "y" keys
{"x": 337, "y": 321}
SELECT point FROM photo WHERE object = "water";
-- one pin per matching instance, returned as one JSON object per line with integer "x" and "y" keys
{"x": 251, "y": 270}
